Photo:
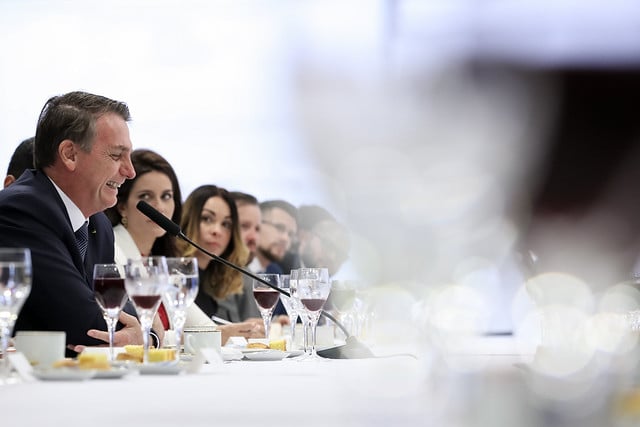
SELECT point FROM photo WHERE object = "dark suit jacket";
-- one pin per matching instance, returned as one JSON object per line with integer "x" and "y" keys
{"x": 32, "y": 215}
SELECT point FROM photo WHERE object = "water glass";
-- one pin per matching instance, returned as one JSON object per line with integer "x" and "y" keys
{"x": 15, "y": 285}
{"x": 146, "y": 280}
{"x": 180, "y": 293}
{"x": 290, "y": 305}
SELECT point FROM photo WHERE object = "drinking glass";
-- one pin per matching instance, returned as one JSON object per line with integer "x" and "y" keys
{"x": 146, "y": 280}
{"x": 15, "y": 285}
{"x": 181, "y": 292}
{"x": 342, "y": 299}
{"x": 290, "y": 305}
{"x": 313, "y": 288}
{"x": 302, "y": 313}
{"x": 266, "y": 298}
{"x": 111, "y": 296}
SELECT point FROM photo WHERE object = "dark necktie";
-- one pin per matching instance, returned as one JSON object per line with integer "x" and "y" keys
{"x": 82, "y": 238}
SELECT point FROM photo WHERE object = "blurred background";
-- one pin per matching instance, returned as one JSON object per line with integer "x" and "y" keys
{"x": 483, "y": 154}
{"x": 469, "y": 145}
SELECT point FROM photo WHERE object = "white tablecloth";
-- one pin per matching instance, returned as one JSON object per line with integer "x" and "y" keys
{"x": 393, "y": 391}
{"x": 337, "y": 392}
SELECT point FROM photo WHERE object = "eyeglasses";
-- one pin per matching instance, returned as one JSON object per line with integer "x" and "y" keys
{"x": 282, "y": 229}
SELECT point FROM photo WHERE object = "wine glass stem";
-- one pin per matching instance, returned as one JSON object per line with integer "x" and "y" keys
{"x": 145, "y": 342}
{"x": 313, "y": 325}
{"x": 178, "y": 334}
{"x": 293, "y": 320}
{"x": 111, "y": 328}
{"x": 266, "y": 318}
{"x": 6, "y": 334}
{"x": 145, "y": 323}
{"x": 305, "y": 334}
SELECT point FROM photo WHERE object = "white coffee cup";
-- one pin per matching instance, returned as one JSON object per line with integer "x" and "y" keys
{"x": 41, "y": 348}
{"x": 199, "y": 338}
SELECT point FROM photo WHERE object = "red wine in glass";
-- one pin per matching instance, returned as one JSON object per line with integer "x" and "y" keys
{"x": 110, "y": 292}
{"x": 147, "y": 302}
{"x": 313, "y": 304}
{"x": 266, "y": 298}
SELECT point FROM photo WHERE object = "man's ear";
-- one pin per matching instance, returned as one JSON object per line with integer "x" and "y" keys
{"x": 8, "y": 180}
{"x": 68, "y": 154}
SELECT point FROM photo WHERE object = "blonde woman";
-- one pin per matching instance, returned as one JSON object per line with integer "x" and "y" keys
{"x": 210, "y": 218}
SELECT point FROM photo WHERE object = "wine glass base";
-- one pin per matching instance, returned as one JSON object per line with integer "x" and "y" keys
{"x": 11, "y": 378}
{"x": 310, "y": 358}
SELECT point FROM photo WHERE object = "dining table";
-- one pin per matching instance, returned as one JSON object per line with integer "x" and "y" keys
{"x": 391, "y": 389}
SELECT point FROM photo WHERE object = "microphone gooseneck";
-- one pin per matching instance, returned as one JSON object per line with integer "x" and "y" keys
{"x": 351, "y": 350}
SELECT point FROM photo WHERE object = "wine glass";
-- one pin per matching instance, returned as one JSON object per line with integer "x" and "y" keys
{"x": 313, "y": 289}
{"x": 15, "y": 285}
{"x": 181, "y": 292}
{"x": 302, "y": 313}
{"x": 266, "y": 298}
{"x": 146, "y": 280}
{"x": 111, "y": 296}
{"x": 290, "y": 305}
{"x": 342, "y": 299}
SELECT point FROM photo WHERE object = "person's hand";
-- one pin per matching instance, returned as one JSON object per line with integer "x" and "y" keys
{"x": 129, "y": 334}
{"x": 247, "y": 329}
{"x": 283, "y": 319}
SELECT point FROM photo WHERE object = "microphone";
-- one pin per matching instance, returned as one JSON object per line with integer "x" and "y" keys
{"x": 353, "y": 349}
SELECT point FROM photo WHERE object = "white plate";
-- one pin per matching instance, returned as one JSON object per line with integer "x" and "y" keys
{"x": 125, "y": 364}
{"x": 63, "y": 374}
{"x": 161, "y": 368}
{"x": 267, "y": 355}
{"x": 254, "y": 350}
{"x": 112, "y": 373}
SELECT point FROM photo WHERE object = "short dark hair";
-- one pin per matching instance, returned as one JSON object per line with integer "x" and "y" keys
{"x": 310, "y": 215}
{"x": 71, "y": 116}
{"x": 243, "y": 198}
{"x": 22, "y": 158}
{"x": 267, "y": 206}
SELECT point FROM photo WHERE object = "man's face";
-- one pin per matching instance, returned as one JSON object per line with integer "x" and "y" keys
{"x": 277, "y": 233}
{"x": 250, "y": 220}
{"x": 102, "y": 170}
{"x": 327, "y": 245}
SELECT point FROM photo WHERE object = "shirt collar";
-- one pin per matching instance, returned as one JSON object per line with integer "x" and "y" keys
{"x": 74, "y": 212}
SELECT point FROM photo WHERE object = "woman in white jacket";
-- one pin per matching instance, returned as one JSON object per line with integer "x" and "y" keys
{"x": 136, "y": 235}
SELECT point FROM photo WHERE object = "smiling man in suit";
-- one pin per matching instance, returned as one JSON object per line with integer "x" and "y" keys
{"x": 82, "y": 156}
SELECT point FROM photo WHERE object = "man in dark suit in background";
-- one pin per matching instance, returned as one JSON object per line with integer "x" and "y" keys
{"x": 81, "y": 155}
{"x": 21, "y": 160}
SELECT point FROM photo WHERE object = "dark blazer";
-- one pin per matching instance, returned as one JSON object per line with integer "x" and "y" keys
{"x": 32, "y": 215}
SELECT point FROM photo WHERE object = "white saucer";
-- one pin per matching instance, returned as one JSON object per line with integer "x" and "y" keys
{"x": 161, "y": 368}
{"x": 253, "y": 350}
{"x": 116, "y": 372}
{"x": 266, "y": 355}
{"x": 63, "y": 374}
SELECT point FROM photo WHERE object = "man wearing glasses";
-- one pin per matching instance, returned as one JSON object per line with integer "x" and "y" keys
{"x": 277, "y": 235}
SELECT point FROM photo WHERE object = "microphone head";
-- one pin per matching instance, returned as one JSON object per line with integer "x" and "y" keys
{"x": 154, "y": 215}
